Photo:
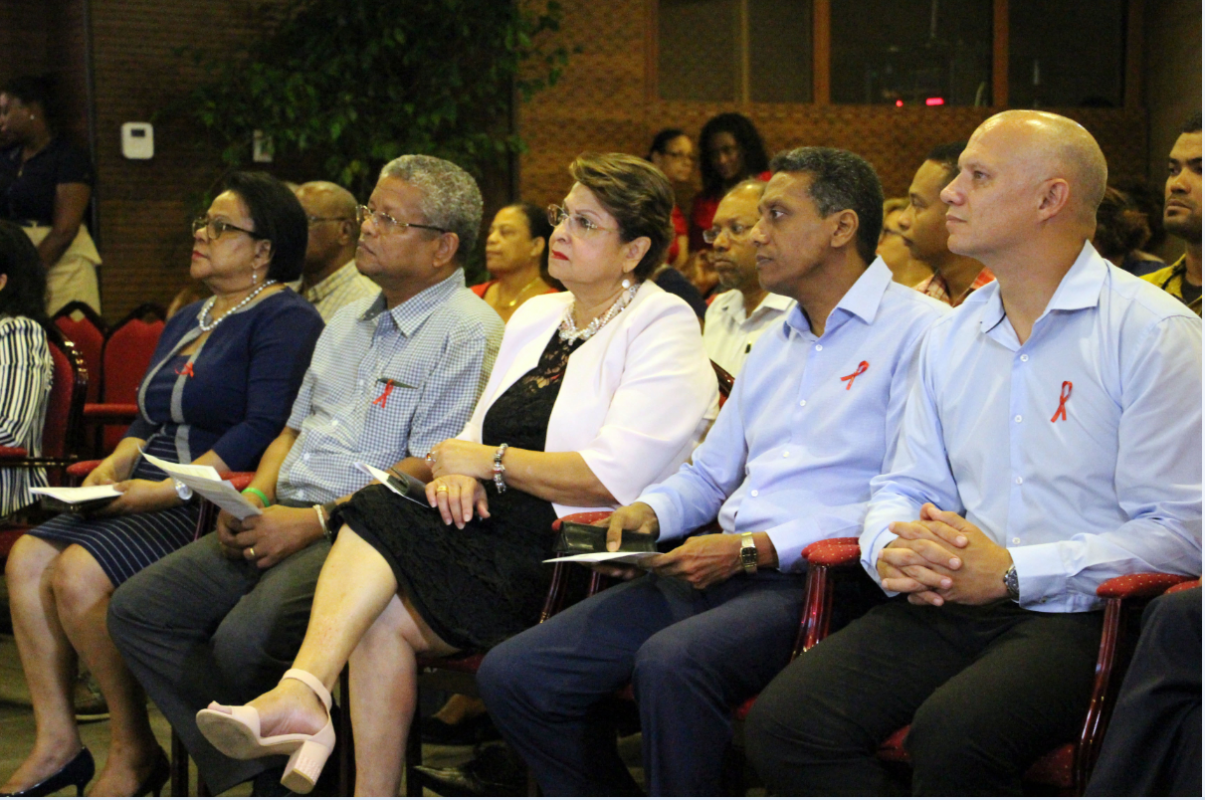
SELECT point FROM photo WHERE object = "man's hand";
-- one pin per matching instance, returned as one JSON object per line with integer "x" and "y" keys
{"x": 274, "y": 535}
{"x": 138, "y": 497}
{"x": 229, "y": 526}
{"x": 701, "y": 561}
{"x": 638, "y": 517}
{"x": 941, "y": 557}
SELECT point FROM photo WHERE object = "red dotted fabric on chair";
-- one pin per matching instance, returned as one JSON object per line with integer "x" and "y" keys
{"x": 1140, "y": 584}
{"x": 241, "y": 480}
{"x": 1183, "y": 587}
{"x": 583, "y": 518}
{"x": 892, "y": 748}
{"x": 833, "y": 552}
{"x": 12, "y": 452}
{"x": 1056, "y": 768}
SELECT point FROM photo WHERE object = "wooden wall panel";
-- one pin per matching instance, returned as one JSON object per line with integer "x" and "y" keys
{"x": 595, "y": 107}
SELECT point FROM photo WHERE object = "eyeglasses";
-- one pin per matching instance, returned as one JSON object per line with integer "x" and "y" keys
{"x": 577, "y": 224}
{"x": 216, "y": 228}
{"x": 312, "y": 220}
{"x": 387, "y": 224}
{"x": 679, "y": 156}
{"x": 735, "y": 231}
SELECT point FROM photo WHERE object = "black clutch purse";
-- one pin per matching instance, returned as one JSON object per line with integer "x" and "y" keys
{"x": 577, "y": 538}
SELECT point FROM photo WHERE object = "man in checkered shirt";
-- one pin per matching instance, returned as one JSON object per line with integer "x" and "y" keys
{"x": 391, "y": 376}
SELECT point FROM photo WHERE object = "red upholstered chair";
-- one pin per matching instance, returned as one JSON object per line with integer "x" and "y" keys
{"x": 1183, "y": 587}
{"x": 1064, "y": 770}
{"x": 62, "y": 432}
{"x": 126, "y": 358}
{"x": 87, "y": 330}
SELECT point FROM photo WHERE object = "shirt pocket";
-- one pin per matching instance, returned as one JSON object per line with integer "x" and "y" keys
{"x": 396, "y": 391}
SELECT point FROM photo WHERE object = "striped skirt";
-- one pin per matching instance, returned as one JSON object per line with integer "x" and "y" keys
{"x": 125, "y": 545}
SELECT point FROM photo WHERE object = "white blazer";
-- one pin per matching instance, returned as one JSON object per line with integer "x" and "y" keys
{"x": 636, "y": 398}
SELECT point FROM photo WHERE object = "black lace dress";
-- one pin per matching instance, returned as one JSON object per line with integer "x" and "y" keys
{"x": 477, "y": 586}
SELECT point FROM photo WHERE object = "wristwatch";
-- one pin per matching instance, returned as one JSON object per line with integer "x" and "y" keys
{"x": 1012, "y": 585}
{"x": 183, "y": 491}
{"x": 748, "y": 554}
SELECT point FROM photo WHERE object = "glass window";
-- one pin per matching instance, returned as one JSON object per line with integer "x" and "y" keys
{"x": 1062, "y": 53}
{"x": 735, "y": 50}
{"x": 912, "y": 52}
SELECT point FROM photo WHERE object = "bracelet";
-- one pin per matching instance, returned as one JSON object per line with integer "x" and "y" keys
{"x": 261, "y": 495}
{"x": 322, "y": 521}
{"x": 499, "y": 469}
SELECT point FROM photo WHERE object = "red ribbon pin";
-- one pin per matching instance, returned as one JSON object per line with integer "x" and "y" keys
{"x": 187, "y": 371}
{"x": 861, "y": 368}
{"x": 380, "y": 401}
{"x": 1064, "y": 396}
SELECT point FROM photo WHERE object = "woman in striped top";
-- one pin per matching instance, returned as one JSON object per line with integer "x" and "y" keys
{"x": 26, "y": 369}
{"x": 219, "y": 389}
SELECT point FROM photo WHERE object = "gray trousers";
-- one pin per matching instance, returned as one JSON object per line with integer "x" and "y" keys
{"x": 196, "y": 627}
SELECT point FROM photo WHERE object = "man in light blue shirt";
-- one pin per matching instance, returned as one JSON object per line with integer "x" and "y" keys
{"x": 812, "y": 416}
{"x": 1052, "y": 440}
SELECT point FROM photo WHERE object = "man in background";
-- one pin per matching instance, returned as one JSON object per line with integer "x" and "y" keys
{"x": 1182, "y": 217}
{"x": 923, "y": 226}
{"x": 329, "y": 278}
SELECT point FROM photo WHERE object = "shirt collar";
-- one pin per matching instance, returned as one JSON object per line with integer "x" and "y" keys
{"x": 733, "y": 304}
{"x": 323, "y": 288}
{"x": 862, "y": 300}
{"x": 1080, "y": 288}
{"x": 408, "y": 316}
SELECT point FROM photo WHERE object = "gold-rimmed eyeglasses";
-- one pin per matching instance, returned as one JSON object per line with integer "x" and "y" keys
{"x": 578, "y": 225}
{"x": 386, "y": 224}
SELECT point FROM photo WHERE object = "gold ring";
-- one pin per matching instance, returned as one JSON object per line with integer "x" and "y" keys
{"x": 441, "y": 488}
{"x": 251, "y": 550}
{"x": 430, "y": 460}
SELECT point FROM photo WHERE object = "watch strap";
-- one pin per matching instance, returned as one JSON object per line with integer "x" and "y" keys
{"x": 748, "y": 554}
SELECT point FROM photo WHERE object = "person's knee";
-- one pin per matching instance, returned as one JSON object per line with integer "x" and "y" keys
{"x": 502, "y": 677}
{"x": 944, "y": 739}
{"x": 27, "y": 561}
{"x": 666, "y": 659}
{"x": 78, "y": 582}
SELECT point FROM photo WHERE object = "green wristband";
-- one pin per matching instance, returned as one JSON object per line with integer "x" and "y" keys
{"x": 262, "y": 496}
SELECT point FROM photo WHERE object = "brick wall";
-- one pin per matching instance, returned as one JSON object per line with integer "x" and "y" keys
{"x": 607, "y": 101}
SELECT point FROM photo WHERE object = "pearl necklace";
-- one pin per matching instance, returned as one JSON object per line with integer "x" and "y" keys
{"x": 206, "y": 327}
{"x": 569, "y": 331}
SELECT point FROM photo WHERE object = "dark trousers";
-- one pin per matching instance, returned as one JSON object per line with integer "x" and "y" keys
{"x": 196, "y": 627}
{"x": 690, "y": 655}
{"x": 987, "y": 691}
{"x": 1153, "y": 745}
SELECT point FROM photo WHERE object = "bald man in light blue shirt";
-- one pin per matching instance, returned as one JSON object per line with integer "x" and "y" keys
{"x": 1051, "y": 440}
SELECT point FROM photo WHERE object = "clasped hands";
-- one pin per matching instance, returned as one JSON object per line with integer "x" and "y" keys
{"x": 458, "y": 468}
{"x": 701, "y": 561}
{"x": 943, "y": 558}
{"x": 270, "y": 537}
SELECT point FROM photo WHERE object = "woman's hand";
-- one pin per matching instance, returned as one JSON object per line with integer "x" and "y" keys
{"x": 456, "y": 496}
{"x": 139, "y": 497}
{"x": 458, "y": 457}
{"x": 104, "y": 474}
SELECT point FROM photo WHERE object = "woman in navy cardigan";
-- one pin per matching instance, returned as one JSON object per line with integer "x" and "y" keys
{"x": 219, "y": 389}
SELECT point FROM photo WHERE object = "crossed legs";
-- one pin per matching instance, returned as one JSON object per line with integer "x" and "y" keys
{"x": 358, "y": 616}
{"x": 60, "y": 596}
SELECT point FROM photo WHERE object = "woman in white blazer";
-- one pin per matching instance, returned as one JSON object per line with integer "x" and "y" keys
{"x": 596, "y": 393}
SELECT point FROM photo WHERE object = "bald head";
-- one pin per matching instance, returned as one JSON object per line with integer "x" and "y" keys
{"x": 1056, "y": 148}
{"x": 331, "y": 210}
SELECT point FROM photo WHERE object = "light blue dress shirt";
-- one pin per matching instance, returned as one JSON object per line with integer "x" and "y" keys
{"x": 807, "y": 426}
{"x": 1108, "y": 485}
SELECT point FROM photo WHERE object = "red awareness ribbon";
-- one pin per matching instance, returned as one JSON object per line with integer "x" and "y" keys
{"x": 187, "y": 371}
{"x": 384, "y": 398}
{"x": 861, "y": 368}
{"x": 1064, "y": 396}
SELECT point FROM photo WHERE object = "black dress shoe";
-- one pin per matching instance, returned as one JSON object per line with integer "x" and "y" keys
{"x": 159, "y": 774}
{"x": 495, "y": 771}
{"x": 76, "y": 772}
{"x": 470, "y": 731}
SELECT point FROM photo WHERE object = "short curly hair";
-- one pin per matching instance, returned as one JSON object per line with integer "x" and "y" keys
{"x": 451, "y": 198}
{"x": 639, "y": 197}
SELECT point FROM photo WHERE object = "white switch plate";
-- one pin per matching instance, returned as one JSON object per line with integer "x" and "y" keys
{"x": 138, "y": 140}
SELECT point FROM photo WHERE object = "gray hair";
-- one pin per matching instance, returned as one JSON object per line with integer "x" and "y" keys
{"x": 840, "y": 180}
{"x": 451, "y": 199}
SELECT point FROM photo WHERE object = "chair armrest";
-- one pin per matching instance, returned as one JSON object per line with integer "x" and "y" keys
{"x": 582, "y": 517}
{"x": 241, "y": 480}
{"x": 1139, "y": 584}
{"x": 107, "y": 410}
{"x": 1183, "y": 587}
{"x": 839, "y": 552}
{"x": 13, "y": 452}
{"x": 80, "y": 469}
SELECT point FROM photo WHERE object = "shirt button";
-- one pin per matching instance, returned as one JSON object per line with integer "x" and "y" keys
{"x": 1016, "y": 540}
{"x": 334, "y": 423}
{"x": 819, "y": 347}
{"x": 754, "y": 493}
{"x": 361, "y": 384}
{"x": 803, "y": 402}
{"x": 1017, "y": 418}
{"x": 1024, "y": 358}
{"x": 305, "y": 457}
{"x": 1019, "y": 480}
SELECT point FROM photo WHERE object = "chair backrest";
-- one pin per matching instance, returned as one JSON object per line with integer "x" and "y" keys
{"x": 86, "y": 330}
{"x": 128, "y": 351}
{"x": 63, "y": 431}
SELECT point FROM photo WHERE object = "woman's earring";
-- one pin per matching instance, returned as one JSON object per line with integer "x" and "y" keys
{"x": 626, "y": 283}
{"x": 254, "y": 278}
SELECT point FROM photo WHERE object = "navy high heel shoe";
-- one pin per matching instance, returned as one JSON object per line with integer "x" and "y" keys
{"x": 78, "y": 771}
{"x": 159, "y": 774}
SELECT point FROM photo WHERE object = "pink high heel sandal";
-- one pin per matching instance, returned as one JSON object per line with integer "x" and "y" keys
{"x": 234, "y": 730}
